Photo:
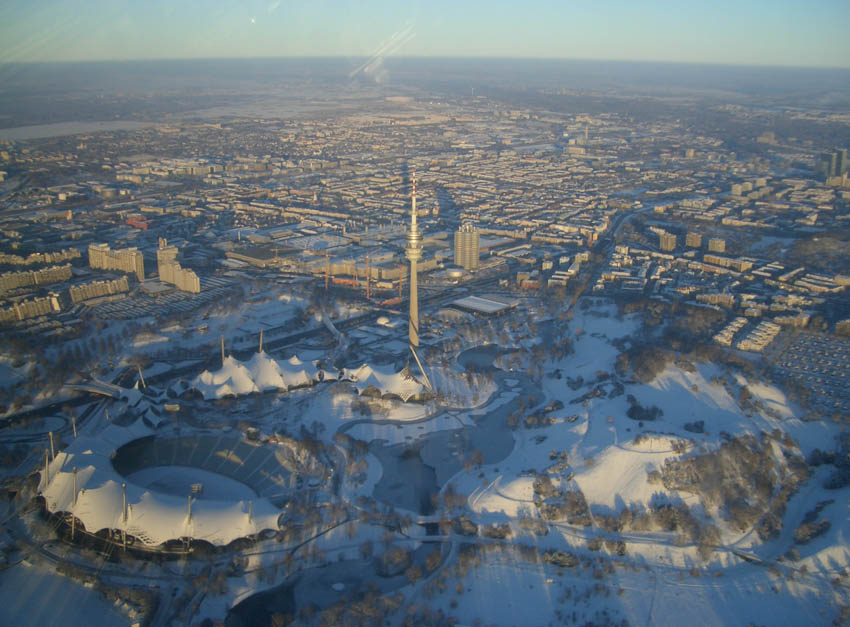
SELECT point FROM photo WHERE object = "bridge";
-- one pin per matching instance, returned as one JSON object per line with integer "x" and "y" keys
{"x": 96, "y": 386}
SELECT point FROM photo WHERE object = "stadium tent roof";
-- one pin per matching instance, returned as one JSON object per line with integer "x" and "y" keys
{"x": 153, "y": 518}
{"x": 233, "y": 379}
{"x": 258, "y": 374}
{"x": 262, "y": 372}
{"x": 386, "y": 381}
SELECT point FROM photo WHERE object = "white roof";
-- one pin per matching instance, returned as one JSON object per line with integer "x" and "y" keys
{"x": 153, "y": 518}
{"x": 477, "y": 303}
{"x": 258, "y": 374}
{"x": 385, "y": 380}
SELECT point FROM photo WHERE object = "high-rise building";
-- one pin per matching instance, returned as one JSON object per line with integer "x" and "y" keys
{"x": 841, "y": 164}
{"x": 52, "y": 274}
{"x": 667, "y": 241}
{"x": 717, "y": 245}
{"x": 466, "y": 246}
{"x": 170, "y": 270}
{"x": 101, "y": 257}
{"x": 833, "y": 163}
{"x": 96, "y": 289}
{"x": 693, "y": 240}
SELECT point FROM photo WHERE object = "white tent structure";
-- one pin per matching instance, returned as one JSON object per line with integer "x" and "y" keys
{"x": 259, "y": 374}
{"x": 386, "y": 381}
{"x": 82, "y": 481}
{"x": 233, "y": 379}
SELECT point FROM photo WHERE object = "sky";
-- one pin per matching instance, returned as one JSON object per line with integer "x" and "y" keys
{"x": 741, "y": 32}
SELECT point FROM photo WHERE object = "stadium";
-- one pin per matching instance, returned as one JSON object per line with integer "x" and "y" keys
{"x": 138, "y": 486}
{"x": 150, "y": 491}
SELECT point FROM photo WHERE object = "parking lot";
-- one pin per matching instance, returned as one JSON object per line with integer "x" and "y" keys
{"x": 819, "y": 362}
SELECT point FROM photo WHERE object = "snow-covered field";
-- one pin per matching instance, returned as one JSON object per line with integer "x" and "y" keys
{"x": 31, "y": 595}
{"x": 491, "y": 436}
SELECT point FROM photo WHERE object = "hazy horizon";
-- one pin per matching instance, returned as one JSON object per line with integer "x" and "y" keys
{"x": 785, "y": 33}
{"x": 402, "y": 57}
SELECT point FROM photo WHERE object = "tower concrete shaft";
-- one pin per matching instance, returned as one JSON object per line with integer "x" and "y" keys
{"x": 414, "y": 254}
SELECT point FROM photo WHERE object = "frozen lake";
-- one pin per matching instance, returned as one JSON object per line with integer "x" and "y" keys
{"x": 60, "y": 129}
{"x": 413, "y": 473}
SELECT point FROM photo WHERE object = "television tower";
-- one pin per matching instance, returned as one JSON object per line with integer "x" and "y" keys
{"x": 414, "y": 254}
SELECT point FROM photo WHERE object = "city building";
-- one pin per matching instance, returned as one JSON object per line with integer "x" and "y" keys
{"x": 171, "y": 272}
{"x": 667, "y": 241}
{"x": 467, "y": 247}
{"x": 717, "y": 245}
{"x": 97, "y": 289}
{"x": 131, "y": 260}
{"x": 693, "y": 240}
{"x": 841, "y": 164}
{"x": 31, "y": 308}
{"x": 27, "y": 278}
{"x": 833, "y": 163}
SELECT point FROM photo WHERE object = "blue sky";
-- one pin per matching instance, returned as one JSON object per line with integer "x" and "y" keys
{"x": 811, "y": 33}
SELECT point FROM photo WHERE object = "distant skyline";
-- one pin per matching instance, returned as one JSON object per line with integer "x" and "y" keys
{"x": 749, "y": 32}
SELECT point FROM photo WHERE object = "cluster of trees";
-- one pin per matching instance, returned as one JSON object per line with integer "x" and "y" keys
{"x": 566, "y": 505}
{"x": 744, "y": 478}
{"x": 636, "y": 411}
{"x": 613, "y": 546}
{"x": 839, "y": 458}
{"x": 645, "y": 360}
{"x": 367, "y": 608}
{"x": 811, "y": 528}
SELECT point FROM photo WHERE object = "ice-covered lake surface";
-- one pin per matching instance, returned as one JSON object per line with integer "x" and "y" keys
{"x": 60, "y": 129}
{"x": 321, "y": 587}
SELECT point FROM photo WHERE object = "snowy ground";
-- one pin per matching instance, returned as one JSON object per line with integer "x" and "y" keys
{"x": 604, "y": 460}
{"x": 24, "y": 589}
{"x": 584, "y": 440}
